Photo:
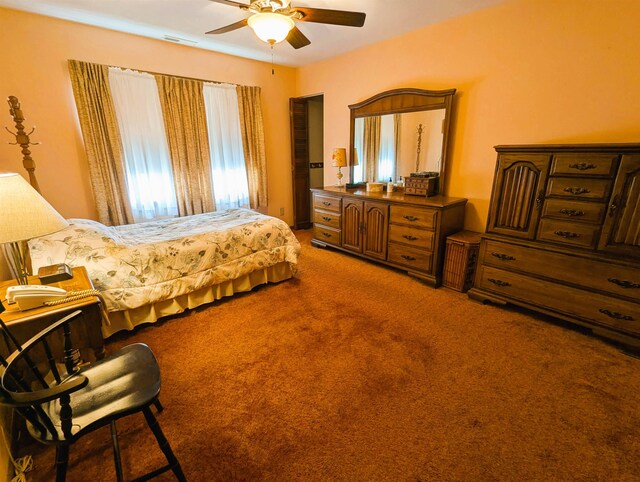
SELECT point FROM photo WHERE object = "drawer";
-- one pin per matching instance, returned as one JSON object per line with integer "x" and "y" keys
{"x": 418, "y": 191}
{"x": 579, "y": 188}
{"x": 416, "y": 259}
{"x": 327, "y": 203}
{"x": 327, "y": 235}
{"x": 414, "y": 216}
{"x": 327, "y": 218}
{"x": 598, "y": 275}
{"x": 584, "y": 164}
{"x": 411, "y": 236}
{"x": 589, "y": 212}
{"x": 604, "y": 310}
{"x": 566, "y": 232}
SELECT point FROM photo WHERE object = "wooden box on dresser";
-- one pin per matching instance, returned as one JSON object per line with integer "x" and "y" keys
{"x": 563, "y": 235}
{"x": 406, "y": 232}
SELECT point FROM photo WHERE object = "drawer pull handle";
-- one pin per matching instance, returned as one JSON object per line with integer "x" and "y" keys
{"x": 572, "y": 212}
{"x": 624, "y": 283}
{"x": 410, "y": 218}
{"x": 576, "y": 191}
{"x": 499, "y": 282}
{"x": 326, "y": 203}
{"x": 409, "y": 237}
{"x": 566, "y": 234}
{"x": 503, "y": 257}
{"x": 326, "y": 218}
{"x": 325, "y": 234}
{"x": 615, "y": 315}
{"x": 583, "y": 166}
{"x": 406, "y": 257}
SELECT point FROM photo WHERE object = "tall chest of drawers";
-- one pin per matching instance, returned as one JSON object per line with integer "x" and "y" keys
{"x": 406, "y": 232}
{"x": 563, "y": 235}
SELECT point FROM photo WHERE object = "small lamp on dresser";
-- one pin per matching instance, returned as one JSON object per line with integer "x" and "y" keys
{"x": 24, "y": 214}
{"x": 339, "y": 160}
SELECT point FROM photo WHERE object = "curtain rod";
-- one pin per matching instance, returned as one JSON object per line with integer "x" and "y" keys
{"x": 168, "y": 75}
{"x": 178, "y": 76}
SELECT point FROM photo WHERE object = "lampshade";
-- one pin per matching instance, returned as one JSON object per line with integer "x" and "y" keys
{"x": 271, "y": 27}
{"x": 354, "y": 161}
{"x": 25, "y": 214}
{"x": 339, "y": 157}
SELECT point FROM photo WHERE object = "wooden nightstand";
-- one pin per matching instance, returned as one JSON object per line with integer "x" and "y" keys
{"x": 25, "y": 324}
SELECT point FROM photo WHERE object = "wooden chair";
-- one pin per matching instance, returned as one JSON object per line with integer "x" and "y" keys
{"x": 63, "y": 401}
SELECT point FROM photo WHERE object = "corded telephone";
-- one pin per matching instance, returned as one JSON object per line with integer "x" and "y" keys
{"x": 33, "y": 296}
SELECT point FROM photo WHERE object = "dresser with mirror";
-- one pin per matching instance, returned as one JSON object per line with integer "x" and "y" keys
{"x": 393, "y": 134}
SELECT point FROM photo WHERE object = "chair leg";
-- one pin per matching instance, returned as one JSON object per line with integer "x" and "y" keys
{"x": 164, "y": 444}
{"x": 158, "y": 405}
{"x": 116, "y": 452}
{"x": 62, "y": 460}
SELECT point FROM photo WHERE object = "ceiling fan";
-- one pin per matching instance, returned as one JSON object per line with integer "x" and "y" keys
{"x": 273, "y": 20}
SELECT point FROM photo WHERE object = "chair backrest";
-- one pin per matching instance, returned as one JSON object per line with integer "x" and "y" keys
{"x": 33, "y": 375}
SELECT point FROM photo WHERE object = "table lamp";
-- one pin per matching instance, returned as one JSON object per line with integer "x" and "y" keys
{"x": 339, "y": 160}
{"x": 24, "y": 214}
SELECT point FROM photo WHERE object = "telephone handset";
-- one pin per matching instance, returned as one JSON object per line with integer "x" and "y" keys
{"x": 33, "y": 296}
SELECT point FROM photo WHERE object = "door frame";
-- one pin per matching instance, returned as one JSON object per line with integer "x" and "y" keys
{"x": 301, "y": 197}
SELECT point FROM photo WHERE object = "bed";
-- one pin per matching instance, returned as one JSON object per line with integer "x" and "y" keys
{"x": 149, "y": 270}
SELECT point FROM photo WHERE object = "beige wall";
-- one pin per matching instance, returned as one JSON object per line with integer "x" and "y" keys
{"x": 34, "y": 65}
{"x": 527, "y": 71}
{"x": 34, "y": 57}
{"x": 6, "y": 467}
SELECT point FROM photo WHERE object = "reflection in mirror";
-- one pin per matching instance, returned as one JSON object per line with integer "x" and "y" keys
{"x": 399, "y": 132}
{"x": 394, "y": 145}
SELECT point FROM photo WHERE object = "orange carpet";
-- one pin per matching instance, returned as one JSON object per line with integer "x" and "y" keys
{"x": 353, "y": 371}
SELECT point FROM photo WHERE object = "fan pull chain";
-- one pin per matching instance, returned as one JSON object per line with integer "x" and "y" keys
{"x": 273, "y": 70}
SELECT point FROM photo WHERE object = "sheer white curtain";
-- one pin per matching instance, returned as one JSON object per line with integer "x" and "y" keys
{"x": 146, "y": 153}
{"x": 386, "y": 166}
{"x": 228, "y": 168}
{"x": 358, "y": 132}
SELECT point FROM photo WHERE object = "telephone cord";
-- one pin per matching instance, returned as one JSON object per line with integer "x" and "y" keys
{"x": 78, "y": 295}
{"x": 20, "y": 465}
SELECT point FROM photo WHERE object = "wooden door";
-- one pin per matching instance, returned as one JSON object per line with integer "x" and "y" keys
{"x": 352, "y": 224}
{"x": 621, "y": 229}
{"x": 298, "y": 114}
{"x": 518, "y": 194}
{"x": 376, "y": 220}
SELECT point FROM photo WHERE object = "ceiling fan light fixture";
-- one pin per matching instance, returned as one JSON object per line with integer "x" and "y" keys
{"x": 271, "y": 27}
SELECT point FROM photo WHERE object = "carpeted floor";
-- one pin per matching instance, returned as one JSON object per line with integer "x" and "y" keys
{"x": 353, "y": 371}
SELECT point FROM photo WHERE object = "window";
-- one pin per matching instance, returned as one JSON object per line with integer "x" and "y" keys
{"x": 146, "y": 153}
{"x": 228, "y": 169}
{"x": 147, "y": 160}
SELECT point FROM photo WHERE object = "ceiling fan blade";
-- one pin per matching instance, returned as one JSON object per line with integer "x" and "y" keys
{"x": 297, "y": 39}
{"x": 229, "y": 28}
{"x": 232, "y": 3}
{"x": 333, "y": 17}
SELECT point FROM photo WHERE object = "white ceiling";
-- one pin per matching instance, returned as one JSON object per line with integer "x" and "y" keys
{"x": 189, "y": 19}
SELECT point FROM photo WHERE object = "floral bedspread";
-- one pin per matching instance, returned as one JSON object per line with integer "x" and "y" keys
{"x": 138, "y": 264}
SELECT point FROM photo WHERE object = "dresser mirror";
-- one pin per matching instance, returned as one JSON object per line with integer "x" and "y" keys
{"x": 398, "y": 132}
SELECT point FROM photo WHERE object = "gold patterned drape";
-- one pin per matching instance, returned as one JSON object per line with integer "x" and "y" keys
{"x": 186, "y": 126}
{"x": 102, "y": 141}
{"x": 252, "y": 127}
{"x": 371, "y": 146}
{"x": 397, "y": 128}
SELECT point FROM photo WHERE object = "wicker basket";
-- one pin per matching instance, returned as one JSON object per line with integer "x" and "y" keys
{"x": 460, "y": 260}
